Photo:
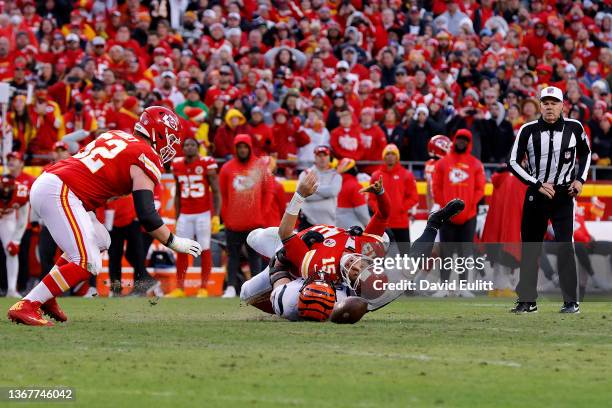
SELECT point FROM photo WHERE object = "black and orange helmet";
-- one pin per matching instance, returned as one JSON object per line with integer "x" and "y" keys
{"x": 316, "y": 301}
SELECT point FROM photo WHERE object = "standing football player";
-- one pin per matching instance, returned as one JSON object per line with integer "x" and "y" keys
{"x": 437, "y": 147}
{"x": 14, "y": 210}
{"x": 195, "y": 177}
{"x": 114, "y": 164}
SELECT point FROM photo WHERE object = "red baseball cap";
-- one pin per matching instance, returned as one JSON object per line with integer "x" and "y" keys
{"x": 322, "y": 149}
{"x": 15, "y": 155}
{"x": 60, "y": 145}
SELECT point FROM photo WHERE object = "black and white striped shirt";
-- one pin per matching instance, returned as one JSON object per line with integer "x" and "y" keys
{"x": 551, "y": 151}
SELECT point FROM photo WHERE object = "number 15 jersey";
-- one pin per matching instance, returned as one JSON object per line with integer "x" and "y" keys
{"x": 192, "y": 181}
{"x": 101, "y": 170}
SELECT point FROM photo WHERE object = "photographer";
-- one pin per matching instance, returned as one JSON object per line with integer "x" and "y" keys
{"x": 64, "y": 92}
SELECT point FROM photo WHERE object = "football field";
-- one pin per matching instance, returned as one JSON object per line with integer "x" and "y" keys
{"x": 137, "y": 352}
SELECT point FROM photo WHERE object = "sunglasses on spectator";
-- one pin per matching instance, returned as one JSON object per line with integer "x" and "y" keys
{"x": 400, "y": 74}
{"x": 225, "y": 73}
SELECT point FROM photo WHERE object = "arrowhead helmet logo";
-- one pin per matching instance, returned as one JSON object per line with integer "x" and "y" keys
{"x": 169, "y": 121}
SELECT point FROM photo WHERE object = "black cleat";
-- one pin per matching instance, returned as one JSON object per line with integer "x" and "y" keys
{"x": 147, "y": 286}
{"x": 524, "y": 307}
{"x": 570, "y": 307}
{"x": 452, "y": 208}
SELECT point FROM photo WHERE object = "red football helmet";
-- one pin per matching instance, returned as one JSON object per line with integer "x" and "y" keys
{"x": 163, "y": 128}
{"x": 316, "y": 301}
{"x": 439, "y": 146}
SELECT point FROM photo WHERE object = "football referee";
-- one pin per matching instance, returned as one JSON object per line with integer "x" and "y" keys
{"x": 544, "y": 157}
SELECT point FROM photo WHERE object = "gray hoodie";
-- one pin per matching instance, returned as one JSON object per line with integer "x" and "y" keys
{"x": 320, "y": 208}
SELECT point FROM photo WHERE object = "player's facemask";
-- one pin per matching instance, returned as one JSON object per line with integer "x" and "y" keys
{"x": 168, "y": 152}
{"x": 354, "y": 268}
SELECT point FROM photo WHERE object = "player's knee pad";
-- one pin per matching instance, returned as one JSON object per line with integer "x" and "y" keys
{"x": 203, "y": 233}
{"x": 103, "y": 239}
{"x": 255, "y": 287}
{"x": 284, "y": 299}
{"x": 94, "y": 264}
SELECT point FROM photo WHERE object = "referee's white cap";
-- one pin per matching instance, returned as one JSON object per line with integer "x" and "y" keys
{"x": 551, "y": 92}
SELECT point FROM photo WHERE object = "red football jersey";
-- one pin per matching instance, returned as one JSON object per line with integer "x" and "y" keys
{"x": 19, "y": 198}
{"x": 25, "y": 179}
{"x": 193, "y": 183}
{"x": 101, "y": 170}
{"x": 325, "y": 256}
{"x": 430, "y": 165}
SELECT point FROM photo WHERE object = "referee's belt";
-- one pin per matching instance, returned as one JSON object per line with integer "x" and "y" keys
{"x": 562, "y": 188}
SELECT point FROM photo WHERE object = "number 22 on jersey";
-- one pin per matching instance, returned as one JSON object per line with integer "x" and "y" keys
{"x": 107, "y": 146}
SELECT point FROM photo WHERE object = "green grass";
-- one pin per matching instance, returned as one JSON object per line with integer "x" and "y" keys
{"x": 416, "y": 352}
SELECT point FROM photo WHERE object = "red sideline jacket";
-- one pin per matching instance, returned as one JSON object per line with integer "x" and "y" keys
{"x": 503, "y": 224}
{"x": 244, "y": 191}
{"x": 401, "y": 188}
{"x": 459, "y": 175}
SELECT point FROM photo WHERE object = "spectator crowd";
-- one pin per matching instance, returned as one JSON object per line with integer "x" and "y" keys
{"x": 355, "y": 75}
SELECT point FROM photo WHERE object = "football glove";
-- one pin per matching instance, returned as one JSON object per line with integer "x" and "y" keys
{"x": 184, "y": 245}
{"x": 215, "y": 224}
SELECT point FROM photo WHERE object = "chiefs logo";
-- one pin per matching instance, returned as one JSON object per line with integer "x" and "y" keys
{"x": 457, "y": 175}
{"x": 169, "y": 121}
{"x": 243, "y": 183}
{"x": 329, "y": 242}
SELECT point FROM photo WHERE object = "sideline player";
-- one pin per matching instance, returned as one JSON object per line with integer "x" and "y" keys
{"x": 14, "y": 209}
{"x": 437, "y": 147}
{"x": 114, "y": 164}
{"x": 195, "y": 176}
{"x": 326, "y": 254}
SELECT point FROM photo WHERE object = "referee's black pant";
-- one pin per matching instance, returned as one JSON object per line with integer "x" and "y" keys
{"x": 134, "y": 253}
{"x": 537, "y": 210}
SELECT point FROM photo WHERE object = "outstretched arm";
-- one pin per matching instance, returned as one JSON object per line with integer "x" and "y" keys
{"x": 142, "y": 192}
{"x": 378, "y": 223}
{"x": 306, "y": 187}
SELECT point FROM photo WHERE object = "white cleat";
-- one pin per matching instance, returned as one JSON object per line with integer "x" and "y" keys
{"x": 230, "y": 292}
{"x": 91, "y": 292}
{"x": 466, "y": 294}
{"x": 442, "y": 293}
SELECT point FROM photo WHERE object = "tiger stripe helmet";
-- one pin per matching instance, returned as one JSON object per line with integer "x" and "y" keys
{"x": 316, "y": 301}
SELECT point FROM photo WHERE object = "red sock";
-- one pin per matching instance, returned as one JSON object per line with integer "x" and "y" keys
{"x": 61, "y": 261}
{"x": 82, "y": 288}
{"x": 206, "y": 260}
{"x": 57, "y": 282}
{"x": 182, "y": 261}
